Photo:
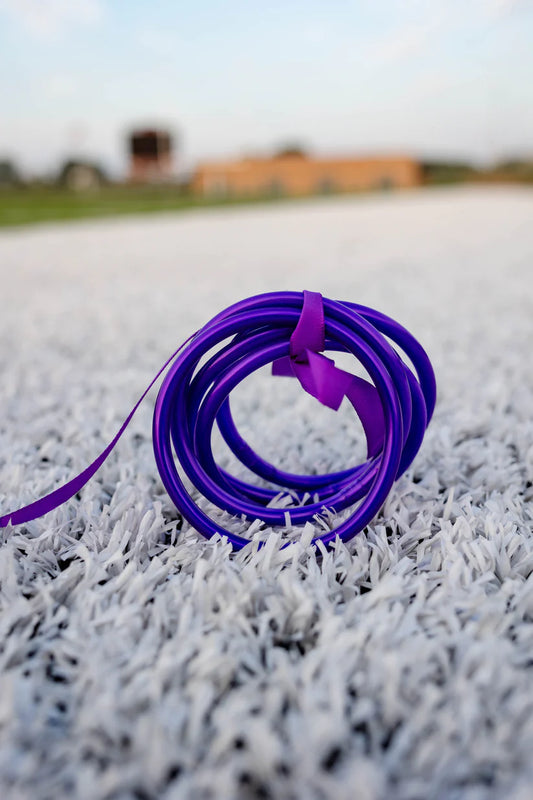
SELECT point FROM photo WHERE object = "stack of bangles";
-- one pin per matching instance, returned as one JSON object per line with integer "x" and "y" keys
{"x": 291, "y": 330}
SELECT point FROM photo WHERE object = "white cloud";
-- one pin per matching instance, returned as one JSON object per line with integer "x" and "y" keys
{"x": 503, "y": 8}
{"x": 162, "y": 43}
{"x": 50, "y": 19}
{"x": 314, "y": 33}
{"x": 402, "y": 43}
{"x": 59, "y": 85}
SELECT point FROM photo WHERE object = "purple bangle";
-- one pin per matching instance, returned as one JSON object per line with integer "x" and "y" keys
{"x": 189, "y": 402}
{"x": 289, "y": 330}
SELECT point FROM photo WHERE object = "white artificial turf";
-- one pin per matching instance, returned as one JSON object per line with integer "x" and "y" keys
{"x": 140, "y": 661}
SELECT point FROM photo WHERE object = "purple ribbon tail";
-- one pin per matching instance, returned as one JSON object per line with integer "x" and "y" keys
{"x": 366, "y": 401}
{"x": 320, "y": 378}
{"x": 72, "y": 487}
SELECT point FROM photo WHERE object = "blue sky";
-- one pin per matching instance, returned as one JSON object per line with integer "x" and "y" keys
{"x": 431, "y": 77}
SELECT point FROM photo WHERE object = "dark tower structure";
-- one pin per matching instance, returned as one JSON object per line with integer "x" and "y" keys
{"x": 150, "y": 156}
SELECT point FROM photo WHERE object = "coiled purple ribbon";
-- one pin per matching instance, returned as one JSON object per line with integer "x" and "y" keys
{"x": 281, "y": 329}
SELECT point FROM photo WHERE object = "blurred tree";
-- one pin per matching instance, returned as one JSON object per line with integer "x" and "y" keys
{"x": 291, "y": 150}
{"x": 448, "y": 171}
{"x": 515, "y": 169}
{"x": 9, "y": 174}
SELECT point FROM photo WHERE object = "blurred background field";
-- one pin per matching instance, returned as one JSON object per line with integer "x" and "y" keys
{"x": 30, "y": 204}
{"x": 42, "y": 202}
{"x": 113, "y": 110}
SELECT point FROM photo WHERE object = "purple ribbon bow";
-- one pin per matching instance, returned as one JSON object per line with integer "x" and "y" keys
{"x": 320, "y": 378}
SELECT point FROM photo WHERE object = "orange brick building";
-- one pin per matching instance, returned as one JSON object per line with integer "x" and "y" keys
{"x": 298, "y": 174}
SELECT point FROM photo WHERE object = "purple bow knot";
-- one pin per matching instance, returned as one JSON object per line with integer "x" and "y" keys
{"x": 320, "y": 378}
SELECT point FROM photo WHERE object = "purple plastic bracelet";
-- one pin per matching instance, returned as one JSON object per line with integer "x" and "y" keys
{"x": 290, "y": 330}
